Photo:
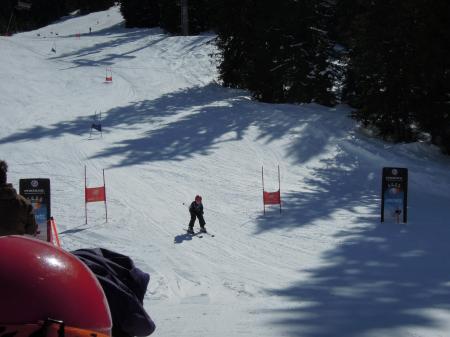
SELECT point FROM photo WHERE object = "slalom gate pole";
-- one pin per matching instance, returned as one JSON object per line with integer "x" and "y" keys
{"x": 49, "y": 231}
{"x": 95, "y": 119}
{"x": 262, "y": 177}
{"x": 279, "y": 185}
{"x": 104, "y": 188}
{"x": 85, "y": 186}
{"x": 101, "y": 131}
{"x": 55, "y": 232}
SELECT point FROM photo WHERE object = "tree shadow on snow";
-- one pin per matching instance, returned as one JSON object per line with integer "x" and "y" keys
{"x": 387, "y": 277}
{"x": 83, "y": 56}
{"x": 213, "y": 113}
{"x": 380, "y": 277}
{"x": 136, "y": 116}
{"x": 199, "y": 117}
{"x": 337, "y": 183}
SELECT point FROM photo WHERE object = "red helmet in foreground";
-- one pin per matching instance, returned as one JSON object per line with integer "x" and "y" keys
{"x": 45, "y": 288}
{"x": 198, "y": 198}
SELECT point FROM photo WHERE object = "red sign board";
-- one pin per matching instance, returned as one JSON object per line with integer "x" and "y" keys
{"x": 272, "y": 198}
{"x": 93, "y": 194}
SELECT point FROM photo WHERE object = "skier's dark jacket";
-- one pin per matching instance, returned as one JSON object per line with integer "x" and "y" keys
{"x": 124, "y": 285}
{"x": 196, "y": 208}
{"x": 16, "y": 213}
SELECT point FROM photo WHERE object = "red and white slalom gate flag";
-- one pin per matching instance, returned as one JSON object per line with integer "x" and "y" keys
{"x": 93, "y": 194}
{"x": 108, "y": 75}
{"x": 272, "y": 198}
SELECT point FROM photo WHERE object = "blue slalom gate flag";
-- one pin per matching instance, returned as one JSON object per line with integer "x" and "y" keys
{"x": 97, "y": 127}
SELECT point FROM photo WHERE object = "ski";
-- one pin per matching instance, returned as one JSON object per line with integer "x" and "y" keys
{"x": 199, "y": 234}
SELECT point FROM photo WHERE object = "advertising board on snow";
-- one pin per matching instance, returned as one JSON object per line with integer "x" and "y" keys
{"x": 37, "y": 191}
{"x": 394, "y": 194}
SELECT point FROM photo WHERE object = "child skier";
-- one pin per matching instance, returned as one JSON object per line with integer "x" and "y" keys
{"x": 196, "y": 211}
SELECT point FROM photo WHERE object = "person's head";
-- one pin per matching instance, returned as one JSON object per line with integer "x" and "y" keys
{"x": 198, "y": 199}
{"x": 3, "y": 170}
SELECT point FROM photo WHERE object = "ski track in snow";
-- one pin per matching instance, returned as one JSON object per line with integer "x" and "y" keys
{"x": 323, "y": 267}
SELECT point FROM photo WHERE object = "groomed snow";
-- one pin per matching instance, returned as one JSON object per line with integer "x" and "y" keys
{"x": 323, "y": 267}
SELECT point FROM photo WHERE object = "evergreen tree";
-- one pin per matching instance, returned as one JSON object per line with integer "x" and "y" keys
{"x": 6, "y": 11}
{"x": 40, "y": 13}
{"x": 431, "y": 65}
{"x": 280, "y": 53}
{"x": 377, "y": 71}
{"x": 310, "y": 73}
{"x": 170, "y": 16}
{"x": 201, "y": 15}
{"x": 140, "y": 13}
{"x": 89, "y": 6}
{"x": 398, "y": 75}
{"x": 341, "y": 24}
{"x": 235, "y": 43}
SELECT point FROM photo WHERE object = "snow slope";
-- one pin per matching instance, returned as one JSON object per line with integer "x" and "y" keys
{"x": 323, "y": 267}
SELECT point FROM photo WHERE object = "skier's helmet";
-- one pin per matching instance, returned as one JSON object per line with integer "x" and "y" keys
{"x": 45, "y": 291}
{"x": 198, "y": 198}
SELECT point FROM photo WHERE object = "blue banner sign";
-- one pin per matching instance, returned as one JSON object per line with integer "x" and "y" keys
{"x": 37, "y": 191}
{"x": 394, "y": 194}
